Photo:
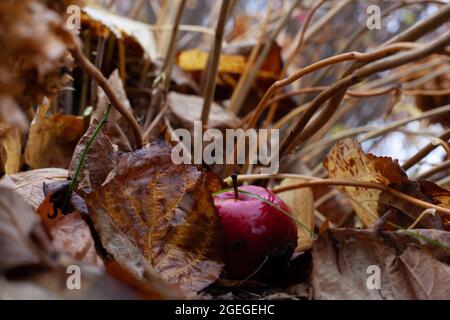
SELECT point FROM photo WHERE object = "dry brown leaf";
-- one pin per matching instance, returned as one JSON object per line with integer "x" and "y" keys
{"x": 185, "y": 109}
{"x": 33, "y": 60}
{"x": 440, "y": 196}
{"x": 409, "y": 268}
{"x": 163, "y": 213}
{"x": 10, "y": 150}
{"x": 347, "y": 160}
{"x": 123, "y": 28}
{"x": 70, "y": 233}
{"x": 301, "y": 205}
{"x": 17, "y": 224}
{"x": 24, "y": 244}
{"x": 52, "y": 139}
{"x": 29, "y": 184}
{"x": 100, "y": 160}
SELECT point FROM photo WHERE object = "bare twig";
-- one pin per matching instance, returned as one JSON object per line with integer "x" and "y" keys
{"x": 422, "y": 153}
{"x": 363, "y": 184}
{"x": 301, "y": 134}
{"x": 215, "y": 54}
{"x": 240, "y": 95}
{"x": 90, "y": 69}
{"x": 170, "y": 57}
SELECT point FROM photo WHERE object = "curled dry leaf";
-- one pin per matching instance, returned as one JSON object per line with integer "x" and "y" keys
{"x": 301, "y": 205}
{"x": 345, "y": 261}
{"x": 52, "y": 139}
{"x": 10, "y": 149}
{"x": 164, "y": 217}
{"x": 348, "y": 161}
{"x": 29, "y": 184}
{"x": 123, "y": 28}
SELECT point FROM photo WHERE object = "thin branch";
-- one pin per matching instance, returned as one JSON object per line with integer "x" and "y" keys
{"x": 170, "y": 57}
{"x": 214, "y": 66}
{"x": 363, "y": 184}
{"x": 301, "y": 134}
{"x": 240, "y": 96}
{"x": 90, "y": 69}
{"x": 422, "y": 153}
{"x": 436, "y": 169}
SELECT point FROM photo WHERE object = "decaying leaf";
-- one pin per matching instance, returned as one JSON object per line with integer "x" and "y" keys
{"x": 346, "y": 263}
{"x": 52, "y": 139}
{"x": 69, "y": 232}
{"x": 164, "y": 214}
{"x": 10, "y": 149}
{"x": 301, "y": 205}
{"x": 24, "y": 245}
{"x": 347, "y": 160}
{"x": 100, "y": 159}
{"x": 440, "y": 196}
{"x": 30, "y": 184}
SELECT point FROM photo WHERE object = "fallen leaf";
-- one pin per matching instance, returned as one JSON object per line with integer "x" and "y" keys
{"x": 347, "y": 160}
{"x": 52, "y": 139}
{"x": 30, "y": 184}
{"x": 164, "y": 213}
{"x": 100, "y": 159}
{"x": 301, "y": 205}
{"x": 10, "y": 149}
{"x": 69, "y": 233}
{"x": 185, "y": 109}
{"x": 195, "y": 60}
{"x": 30, "y": 268}
{"x": 344, "y": 261}
{"x": 17, "y": 224}
{"x": 440, "y": 196}
{"x": 124, "y": 28}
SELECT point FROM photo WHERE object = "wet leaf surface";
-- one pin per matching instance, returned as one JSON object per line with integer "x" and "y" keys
{"x": 164, "y": 217}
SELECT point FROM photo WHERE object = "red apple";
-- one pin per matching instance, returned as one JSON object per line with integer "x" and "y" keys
{"x": 259, "y": 238}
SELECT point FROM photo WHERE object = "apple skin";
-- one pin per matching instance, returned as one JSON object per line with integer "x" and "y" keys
{"x": 255, "y": 232}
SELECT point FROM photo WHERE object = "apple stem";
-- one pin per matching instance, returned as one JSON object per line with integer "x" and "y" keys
{"x": 234, "y": 178}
